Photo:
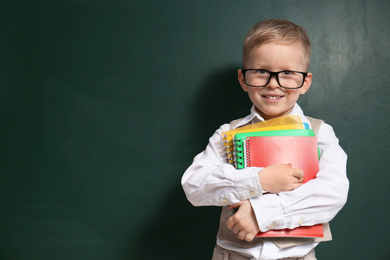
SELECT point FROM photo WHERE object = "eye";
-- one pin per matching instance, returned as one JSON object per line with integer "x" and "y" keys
{"x": 287, "y": 72}
{"x": 263, "y": 72}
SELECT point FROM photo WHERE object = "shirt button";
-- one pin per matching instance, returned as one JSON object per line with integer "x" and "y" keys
{"x": 271, "y": 226}
{"x": 225, "y": 201}
{"x": 301, "y": 221}
{"x": 253, "y": 193}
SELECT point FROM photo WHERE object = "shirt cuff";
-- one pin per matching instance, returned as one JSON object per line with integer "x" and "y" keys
{"x": 269, "y": 213}
{"x": 247, "y": 183}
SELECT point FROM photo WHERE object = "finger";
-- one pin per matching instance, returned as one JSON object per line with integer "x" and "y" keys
{"x": 235, "y": 205}
{"x": 232, "y": 206}
{"x": 241, "y": 235}
{"x": 249, "y": 237}
{"x": 298, "y": 173}
{"x": 299, "y": 180}
{"x": 232, "y": 225}
{"x": 236, "y": 229}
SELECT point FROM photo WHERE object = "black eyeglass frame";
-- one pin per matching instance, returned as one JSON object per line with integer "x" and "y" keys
{"x": 276, "y": 74}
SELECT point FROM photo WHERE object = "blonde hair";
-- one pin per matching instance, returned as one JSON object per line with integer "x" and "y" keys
{"x": 276, "y": 31}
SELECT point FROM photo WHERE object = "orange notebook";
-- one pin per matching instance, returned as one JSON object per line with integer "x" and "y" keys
{"x": 301, "y": 152}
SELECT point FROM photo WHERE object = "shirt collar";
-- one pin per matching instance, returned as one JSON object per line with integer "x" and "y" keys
{"x": 255, "y": 117}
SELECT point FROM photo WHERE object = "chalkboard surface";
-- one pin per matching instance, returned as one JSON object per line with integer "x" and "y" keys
{"x": 104, "y": 104}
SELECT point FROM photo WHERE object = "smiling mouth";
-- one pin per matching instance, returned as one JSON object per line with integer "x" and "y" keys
{"x": 273, "y": 97}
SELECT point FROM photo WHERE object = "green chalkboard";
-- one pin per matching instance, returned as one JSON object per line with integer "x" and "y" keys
{"x": 104, "y": 104}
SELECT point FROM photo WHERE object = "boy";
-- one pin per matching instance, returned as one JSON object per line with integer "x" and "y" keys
{"x": 276, "y": 57}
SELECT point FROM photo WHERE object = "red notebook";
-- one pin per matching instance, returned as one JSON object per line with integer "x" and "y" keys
{"x": 301, "y": 152}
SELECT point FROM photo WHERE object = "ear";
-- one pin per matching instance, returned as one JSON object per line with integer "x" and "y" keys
{"x": 306, "y": 84}
{"x": 241, "y": 80}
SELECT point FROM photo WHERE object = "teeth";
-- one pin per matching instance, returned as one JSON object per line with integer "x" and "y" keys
{"x": 272, "y": 97}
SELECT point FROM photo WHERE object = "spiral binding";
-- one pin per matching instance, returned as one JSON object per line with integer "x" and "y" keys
{"x": 237, "y": 154}
{"x": 247, "y": 153}
{"x": 228, "y": 151}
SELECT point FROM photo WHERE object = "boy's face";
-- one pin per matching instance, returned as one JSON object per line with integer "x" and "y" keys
{"x": 272, "y": 100}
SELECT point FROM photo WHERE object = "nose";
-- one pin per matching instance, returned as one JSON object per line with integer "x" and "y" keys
{"x": 273, "y": 83}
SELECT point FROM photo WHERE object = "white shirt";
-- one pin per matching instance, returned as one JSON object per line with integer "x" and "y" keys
{"x": 211, "y": 181}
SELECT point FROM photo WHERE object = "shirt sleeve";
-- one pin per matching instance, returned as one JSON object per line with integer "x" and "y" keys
{"x": 318, "y": 200}
{"x": 212, "y": 181}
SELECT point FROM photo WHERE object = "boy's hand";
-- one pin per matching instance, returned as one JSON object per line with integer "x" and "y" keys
{"x": 280, "y": 177}
{"x": 243, "y": 222}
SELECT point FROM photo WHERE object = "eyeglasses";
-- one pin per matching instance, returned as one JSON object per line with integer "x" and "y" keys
{"x": 286, "y": 79}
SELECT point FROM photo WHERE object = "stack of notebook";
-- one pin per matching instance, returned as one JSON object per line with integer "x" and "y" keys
{"x": 281, "y": 140}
